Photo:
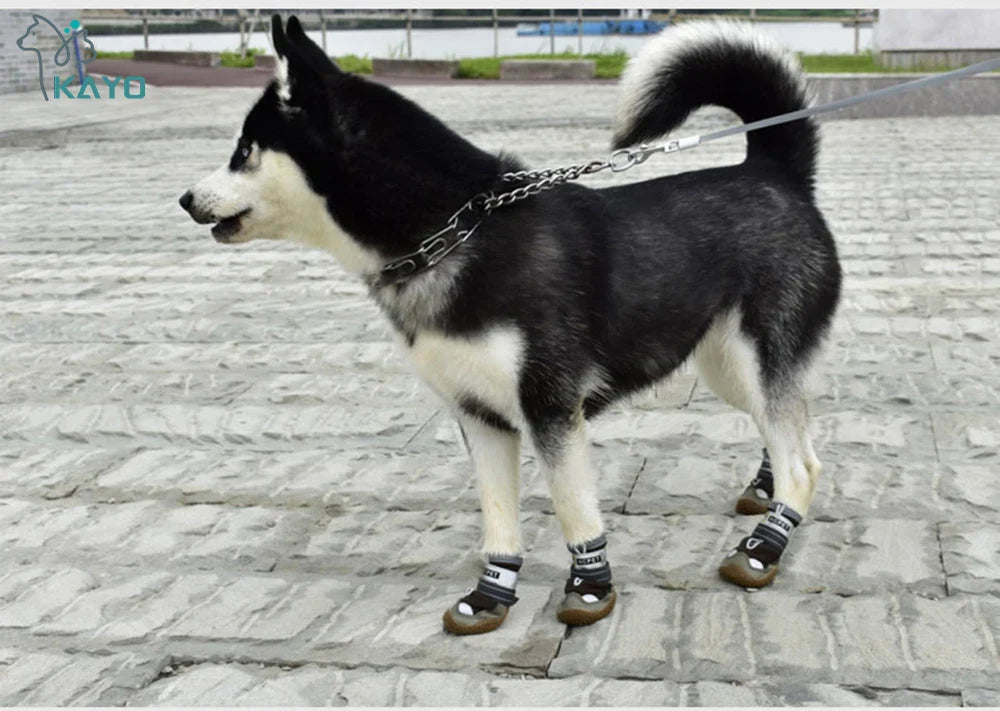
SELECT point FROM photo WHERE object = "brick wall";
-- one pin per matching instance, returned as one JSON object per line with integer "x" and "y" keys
{"x": 18, "y": 68}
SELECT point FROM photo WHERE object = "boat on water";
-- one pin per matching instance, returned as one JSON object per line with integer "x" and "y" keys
{"x": 606, "y": 27}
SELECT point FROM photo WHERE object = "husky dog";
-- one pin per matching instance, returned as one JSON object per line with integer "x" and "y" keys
{"x": 561, "y": 303}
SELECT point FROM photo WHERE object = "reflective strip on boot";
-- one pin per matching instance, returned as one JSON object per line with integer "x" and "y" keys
{"x": 590, "y": 562}
{"x": 770, "y": 537}
{"x": 499, "y": 583}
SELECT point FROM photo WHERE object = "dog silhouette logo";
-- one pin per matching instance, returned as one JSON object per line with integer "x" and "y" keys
{"x": 71, "y": 45}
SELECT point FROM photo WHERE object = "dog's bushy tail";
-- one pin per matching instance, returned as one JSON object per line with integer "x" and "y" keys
{"x": 724, "y": 63}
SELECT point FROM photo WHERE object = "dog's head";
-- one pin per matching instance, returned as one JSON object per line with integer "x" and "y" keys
{"x": 332, "y": 160}
{"x": 281, "y": 178}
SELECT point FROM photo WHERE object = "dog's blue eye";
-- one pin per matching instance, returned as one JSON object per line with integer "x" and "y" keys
{"x": 245, "y": 152}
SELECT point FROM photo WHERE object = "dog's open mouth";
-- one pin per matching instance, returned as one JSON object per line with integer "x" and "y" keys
{"x": 225, "y": 229}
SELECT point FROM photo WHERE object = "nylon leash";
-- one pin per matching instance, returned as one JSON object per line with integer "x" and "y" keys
{"x": 921, "y": 83}
{"x": 434, "y": 248}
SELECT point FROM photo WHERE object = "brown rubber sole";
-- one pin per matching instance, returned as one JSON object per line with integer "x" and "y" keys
{"x": 480, "y": 626}
{"x": 579, "y": 616}
{"x": 749, "y": 504}
{"x": 736, "y": 570}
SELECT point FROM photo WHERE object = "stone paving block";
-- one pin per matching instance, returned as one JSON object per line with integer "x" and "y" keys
{"x": 700, "y": 481}
{"x": 411, "y": 633}
{"x": 49, "y": 472}
{"x": 130, "y": 388}
{"x": 858, "y": 391}
{"x": 641, "y": 639}
{"x": 208, "y": 424}
{"x": 853, "y": 483}
{"x": 254, "y": 538}
{"x": 582, "y": 691}
{"x": 102, "y": 606}
{"x": 76, "y": 679}
{"x": 141, "y": 532}
{"x": 949, "y": 642}
{"x": 718, "y": 693}
{"x": 44, "y": 597}
{"x": 971, "y": 556}
{"x": 887, "y": 484}
{"x": 864, "y": 356}
{"x": 15, "y": 581}
{"x": 964, "y": 358}
{"x": 967, "y": 436}
{"x": 972, "y": 486}
{"x": 885, "y": 641}
{"x": 852, "y": 557}
{"x": 151, "y": 616}
{"x": 981, "y": 697}
{"x": 258, "y": 357}
{"x": 229, "y": 613}
{"x": 312, "y": 685}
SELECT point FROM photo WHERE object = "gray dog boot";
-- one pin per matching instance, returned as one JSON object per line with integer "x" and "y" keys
{"x": 590, "y": 596}
{"x": 758, "y": 495}
{"x": 485, "y": 607}
{"x": 754, "y": 562}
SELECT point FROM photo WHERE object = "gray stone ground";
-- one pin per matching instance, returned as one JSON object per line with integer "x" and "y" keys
{"x": 222, "y": 485}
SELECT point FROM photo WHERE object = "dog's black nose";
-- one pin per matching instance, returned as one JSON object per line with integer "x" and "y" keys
{"x": 186, "y": 200}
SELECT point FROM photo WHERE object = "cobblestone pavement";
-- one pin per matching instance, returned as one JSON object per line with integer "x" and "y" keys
{"x": 220, "y": 482}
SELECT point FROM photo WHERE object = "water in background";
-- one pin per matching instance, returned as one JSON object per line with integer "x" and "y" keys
{"x": 809, "y": 37}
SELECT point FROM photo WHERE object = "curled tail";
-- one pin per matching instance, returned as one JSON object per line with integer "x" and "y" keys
{"x": 728, "y": 64}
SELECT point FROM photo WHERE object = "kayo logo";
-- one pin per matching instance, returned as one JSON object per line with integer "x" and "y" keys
{"x": 71, "y": 49}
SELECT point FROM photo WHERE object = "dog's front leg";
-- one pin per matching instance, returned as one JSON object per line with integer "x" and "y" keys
{"x": 563, "y": 449}
{"x": 495, "y": 453}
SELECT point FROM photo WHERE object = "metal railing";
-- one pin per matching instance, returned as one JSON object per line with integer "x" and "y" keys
{"x": 246, "y": 21}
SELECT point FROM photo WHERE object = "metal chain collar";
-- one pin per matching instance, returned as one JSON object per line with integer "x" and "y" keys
{"x": 440, "y": 244}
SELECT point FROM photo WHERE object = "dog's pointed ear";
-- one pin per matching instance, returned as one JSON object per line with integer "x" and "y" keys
{"x": 309, "y": 50}
{"x": 278, "y": 36}
{"x": 290, "y": 70}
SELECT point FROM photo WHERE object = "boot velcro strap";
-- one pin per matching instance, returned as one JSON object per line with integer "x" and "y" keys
{"x": 587, "y": 587}
{"x": 785, "y": 511}
{"x": 762, "y": 549}
{"x": 598, "y": 575}
{"x": 498, "y": 583}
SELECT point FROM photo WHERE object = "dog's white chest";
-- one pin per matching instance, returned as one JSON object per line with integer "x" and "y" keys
{"x": 483, "y": 367}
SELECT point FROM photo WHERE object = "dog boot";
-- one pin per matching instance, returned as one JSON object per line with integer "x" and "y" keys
{"x": 485, "y": 607}
{"x": 754, "y": 562}
{"x": 589, "y": 594}
{"x": 758, "y": 495}
{"x": 586, "y": 602}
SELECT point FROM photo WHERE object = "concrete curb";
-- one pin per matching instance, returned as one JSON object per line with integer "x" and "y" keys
{"x": 191, "y": 59}
{"x": 545, "y": 69}
{"x": 416, "y": 68}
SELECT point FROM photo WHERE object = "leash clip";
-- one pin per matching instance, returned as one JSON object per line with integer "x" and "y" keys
{"x": 625, "y": 158}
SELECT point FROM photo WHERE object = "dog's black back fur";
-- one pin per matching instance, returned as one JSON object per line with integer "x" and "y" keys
{"x": 615, "y": 285}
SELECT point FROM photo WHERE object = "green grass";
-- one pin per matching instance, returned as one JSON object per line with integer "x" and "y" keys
{"x": 115, "y": 55}
{"x": 354, "y": 64}
{"x": 233, "y": 59}
{"x": 858, "y": 64}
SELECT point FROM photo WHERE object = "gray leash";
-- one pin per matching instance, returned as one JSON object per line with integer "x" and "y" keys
{"x": 436, "y": 247}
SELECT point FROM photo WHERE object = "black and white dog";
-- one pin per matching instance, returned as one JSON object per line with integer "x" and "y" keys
{"x": 559, "y": 304}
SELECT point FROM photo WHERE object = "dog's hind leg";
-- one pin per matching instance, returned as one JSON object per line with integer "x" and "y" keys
{"x": 728, "y": 361}
{"x": 754, "y": 562}
{"x": 562, "y": 446}
{"x": 495, "y": 450}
